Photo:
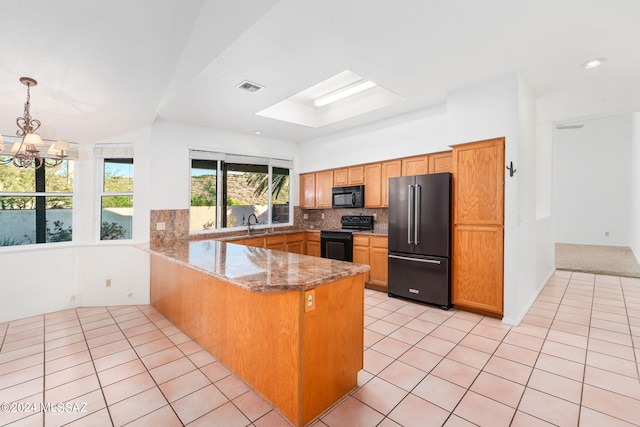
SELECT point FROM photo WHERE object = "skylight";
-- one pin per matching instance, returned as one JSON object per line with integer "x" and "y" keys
{"x": 337, "y": 98}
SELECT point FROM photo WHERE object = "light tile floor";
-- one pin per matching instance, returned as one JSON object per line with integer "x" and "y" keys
{"x": 574, "y": 360}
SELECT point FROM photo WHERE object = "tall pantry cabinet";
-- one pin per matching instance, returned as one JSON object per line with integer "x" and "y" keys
{"x": 478, "y": 226}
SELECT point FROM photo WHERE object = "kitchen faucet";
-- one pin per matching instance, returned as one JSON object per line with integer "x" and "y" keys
{"x": 249, "y": 222}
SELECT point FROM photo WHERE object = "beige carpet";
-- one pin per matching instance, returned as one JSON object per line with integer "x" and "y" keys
{"x": 611, "y": 260}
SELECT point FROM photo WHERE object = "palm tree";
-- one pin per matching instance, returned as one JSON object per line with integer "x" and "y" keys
{"x": 261, "y": 183}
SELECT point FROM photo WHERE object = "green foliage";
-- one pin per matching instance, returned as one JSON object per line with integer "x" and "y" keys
{"x": 113, "y": 231}
{"x": 260, "y": 182}
{"x": 14, "y": 241}
{"x": 59, "y": 233}
{"x": 117, "y": 202}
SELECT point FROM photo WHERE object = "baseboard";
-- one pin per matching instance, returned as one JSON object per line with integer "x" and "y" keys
{"x": 516, "y": 321}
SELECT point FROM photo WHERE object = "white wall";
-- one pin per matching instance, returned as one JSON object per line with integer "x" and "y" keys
{"x": 634, "y": 233}
{"x": 420, "y": 132}
{"x": 170, "y": 167}
{"x": 592, "y": 166}
{"x": 506, "y": 107}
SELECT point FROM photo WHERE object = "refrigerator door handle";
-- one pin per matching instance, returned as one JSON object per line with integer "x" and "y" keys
{"x": 428, "y": 261}
{"x": 417, "y": 214}
{"x": 409, "y": 199}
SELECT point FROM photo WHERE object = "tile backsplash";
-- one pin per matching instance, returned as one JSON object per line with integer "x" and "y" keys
{"x": 332, "y": 217}
{"x": 176, "y": 222}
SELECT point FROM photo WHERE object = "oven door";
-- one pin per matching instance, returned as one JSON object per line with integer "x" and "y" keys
{"x": 336, "y": 245}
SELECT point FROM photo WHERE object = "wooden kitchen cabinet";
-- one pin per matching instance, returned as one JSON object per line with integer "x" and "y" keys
{"x": 478, "y": 226}
{"x": 315, "y": 189}
{"x": 390, "y": 169}
{"x": 294, "y": 243}
{"x": 378, "y": 256}
{"x": 313, "y": 243}
{"x": 258, "y": 242}
{"x": 361, "y": 252}
{"x": 353, "y": 175}
{"x": 275, "y": 242}
{"x": 324, "y": 184}
{"x": 372, "y": 183}
{"x": 308, "y": 190}
{"x": 441, "y": 162}
{"x": 373, "y": 250}
{"x": 418, "y": 165}
{"x": 376, "y": 181}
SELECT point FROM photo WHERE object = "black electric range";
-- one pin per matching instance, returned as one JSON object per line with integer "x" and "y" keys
{"x": 338, "y": 243}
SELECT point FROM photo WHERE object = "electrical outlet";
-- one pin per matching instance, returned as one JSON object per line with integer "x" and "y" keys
{"x": 322, "y": 215}
{"x": 310, "y": 300}
{"x": 375, "y": 216}
{"x": 305, "y": 216}
{"x": 160, "y": 226}
{"x": 108, "y": 283}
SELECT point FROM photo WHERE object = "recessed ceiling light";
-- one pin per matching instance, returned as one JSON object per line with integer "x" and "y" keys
{"x": 344, "y": 92}
{"x": 257, "y": 132}
{"x": 593, "y": 63}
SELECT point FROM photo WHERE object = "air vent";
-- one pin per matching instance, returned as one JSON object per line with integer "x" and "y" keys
{"x": 249, "y": 87}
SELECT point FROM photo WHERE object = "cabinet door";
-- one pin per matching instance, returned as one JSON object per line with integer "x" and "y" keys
{"x": 361, "y": 256}
{"x": 478, "y": 268}
{"x": 372, "y": 184}
{"x": 355, "y": 175}
{"x": 340, "y": 177}
{"x": 324, "y": 184}
{"x": 378, "y": 257}
{"x": 478, "y": 171}
{"x": 313, "y": 244}
{"x": 308, "y": 190}
{"x": 478, "y": 226}
{"x": 390, "y": 169}
{"x": 294, "y": 243}
{"x": 275, "y": 242}
{"x": 441, "y": 162}
{"x": 415, "y": 166}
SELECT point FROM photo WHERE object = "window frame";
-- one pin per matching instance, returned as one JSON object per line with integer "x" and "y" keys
{"x": 221, "y": 159}
{"x": 104, "y": 152}
{"x": 40, "y": 174}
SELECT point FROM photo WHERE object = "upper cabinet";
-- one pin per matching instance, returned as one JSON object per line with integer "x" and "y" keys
{"x": 315, "y": 190}
{"x": 308, "y": 190}
{"x": 353, "y": 175}
{"x": 441, "y": 162}
{"x": 418, "y": 165}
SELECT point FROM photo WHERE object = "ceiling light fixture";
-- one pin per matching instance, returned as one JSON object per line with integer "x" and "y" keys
{"x": 26, "y": 153}
{"x": 593, "y": 63}
{"x": 352, "y": 89}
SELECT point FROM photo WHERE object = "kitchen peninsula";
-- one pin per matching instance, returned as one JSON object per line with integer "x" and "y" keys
{"x": 289, "y": 325}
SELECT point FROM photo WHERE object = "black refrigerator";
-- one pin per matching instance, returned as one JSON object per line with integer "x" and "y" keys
{"x": 420, "y": 238}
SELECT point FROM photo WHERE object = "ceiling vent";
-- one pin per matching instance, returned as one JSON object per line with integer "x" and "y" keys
{"x": 249, "y": 87}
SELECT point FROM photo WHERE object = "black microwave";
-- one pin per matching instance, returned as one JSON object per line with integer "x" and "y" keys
{"x": 347, "y": 197}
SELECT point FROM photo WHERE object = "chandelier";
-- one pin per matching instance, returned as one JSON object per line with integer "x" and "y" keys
{"x": 26, "y": 153}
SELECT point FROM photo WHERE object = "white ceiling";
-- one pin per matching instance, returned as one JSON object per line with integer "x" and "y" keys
{"x": 106, "y": 67}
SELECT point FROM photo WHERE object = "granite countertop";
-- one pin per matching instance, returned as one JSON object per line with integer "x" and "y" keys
{"x": 255, "y": 269}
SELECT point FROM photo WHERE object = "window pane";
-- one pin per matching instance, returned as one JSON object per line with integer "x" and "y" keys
{"x": 59, "y": 214}
{"x": 59, "y": 179}
{"x": 18, "y": 219}
{"x": 202, "y": 215}
{"x": 280, "y": 196}
{"x": 118, "y": 176}
{"x": 116, "y": 221}
{"x": 247, "y": 193}
{"x": 16, "y": 180}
